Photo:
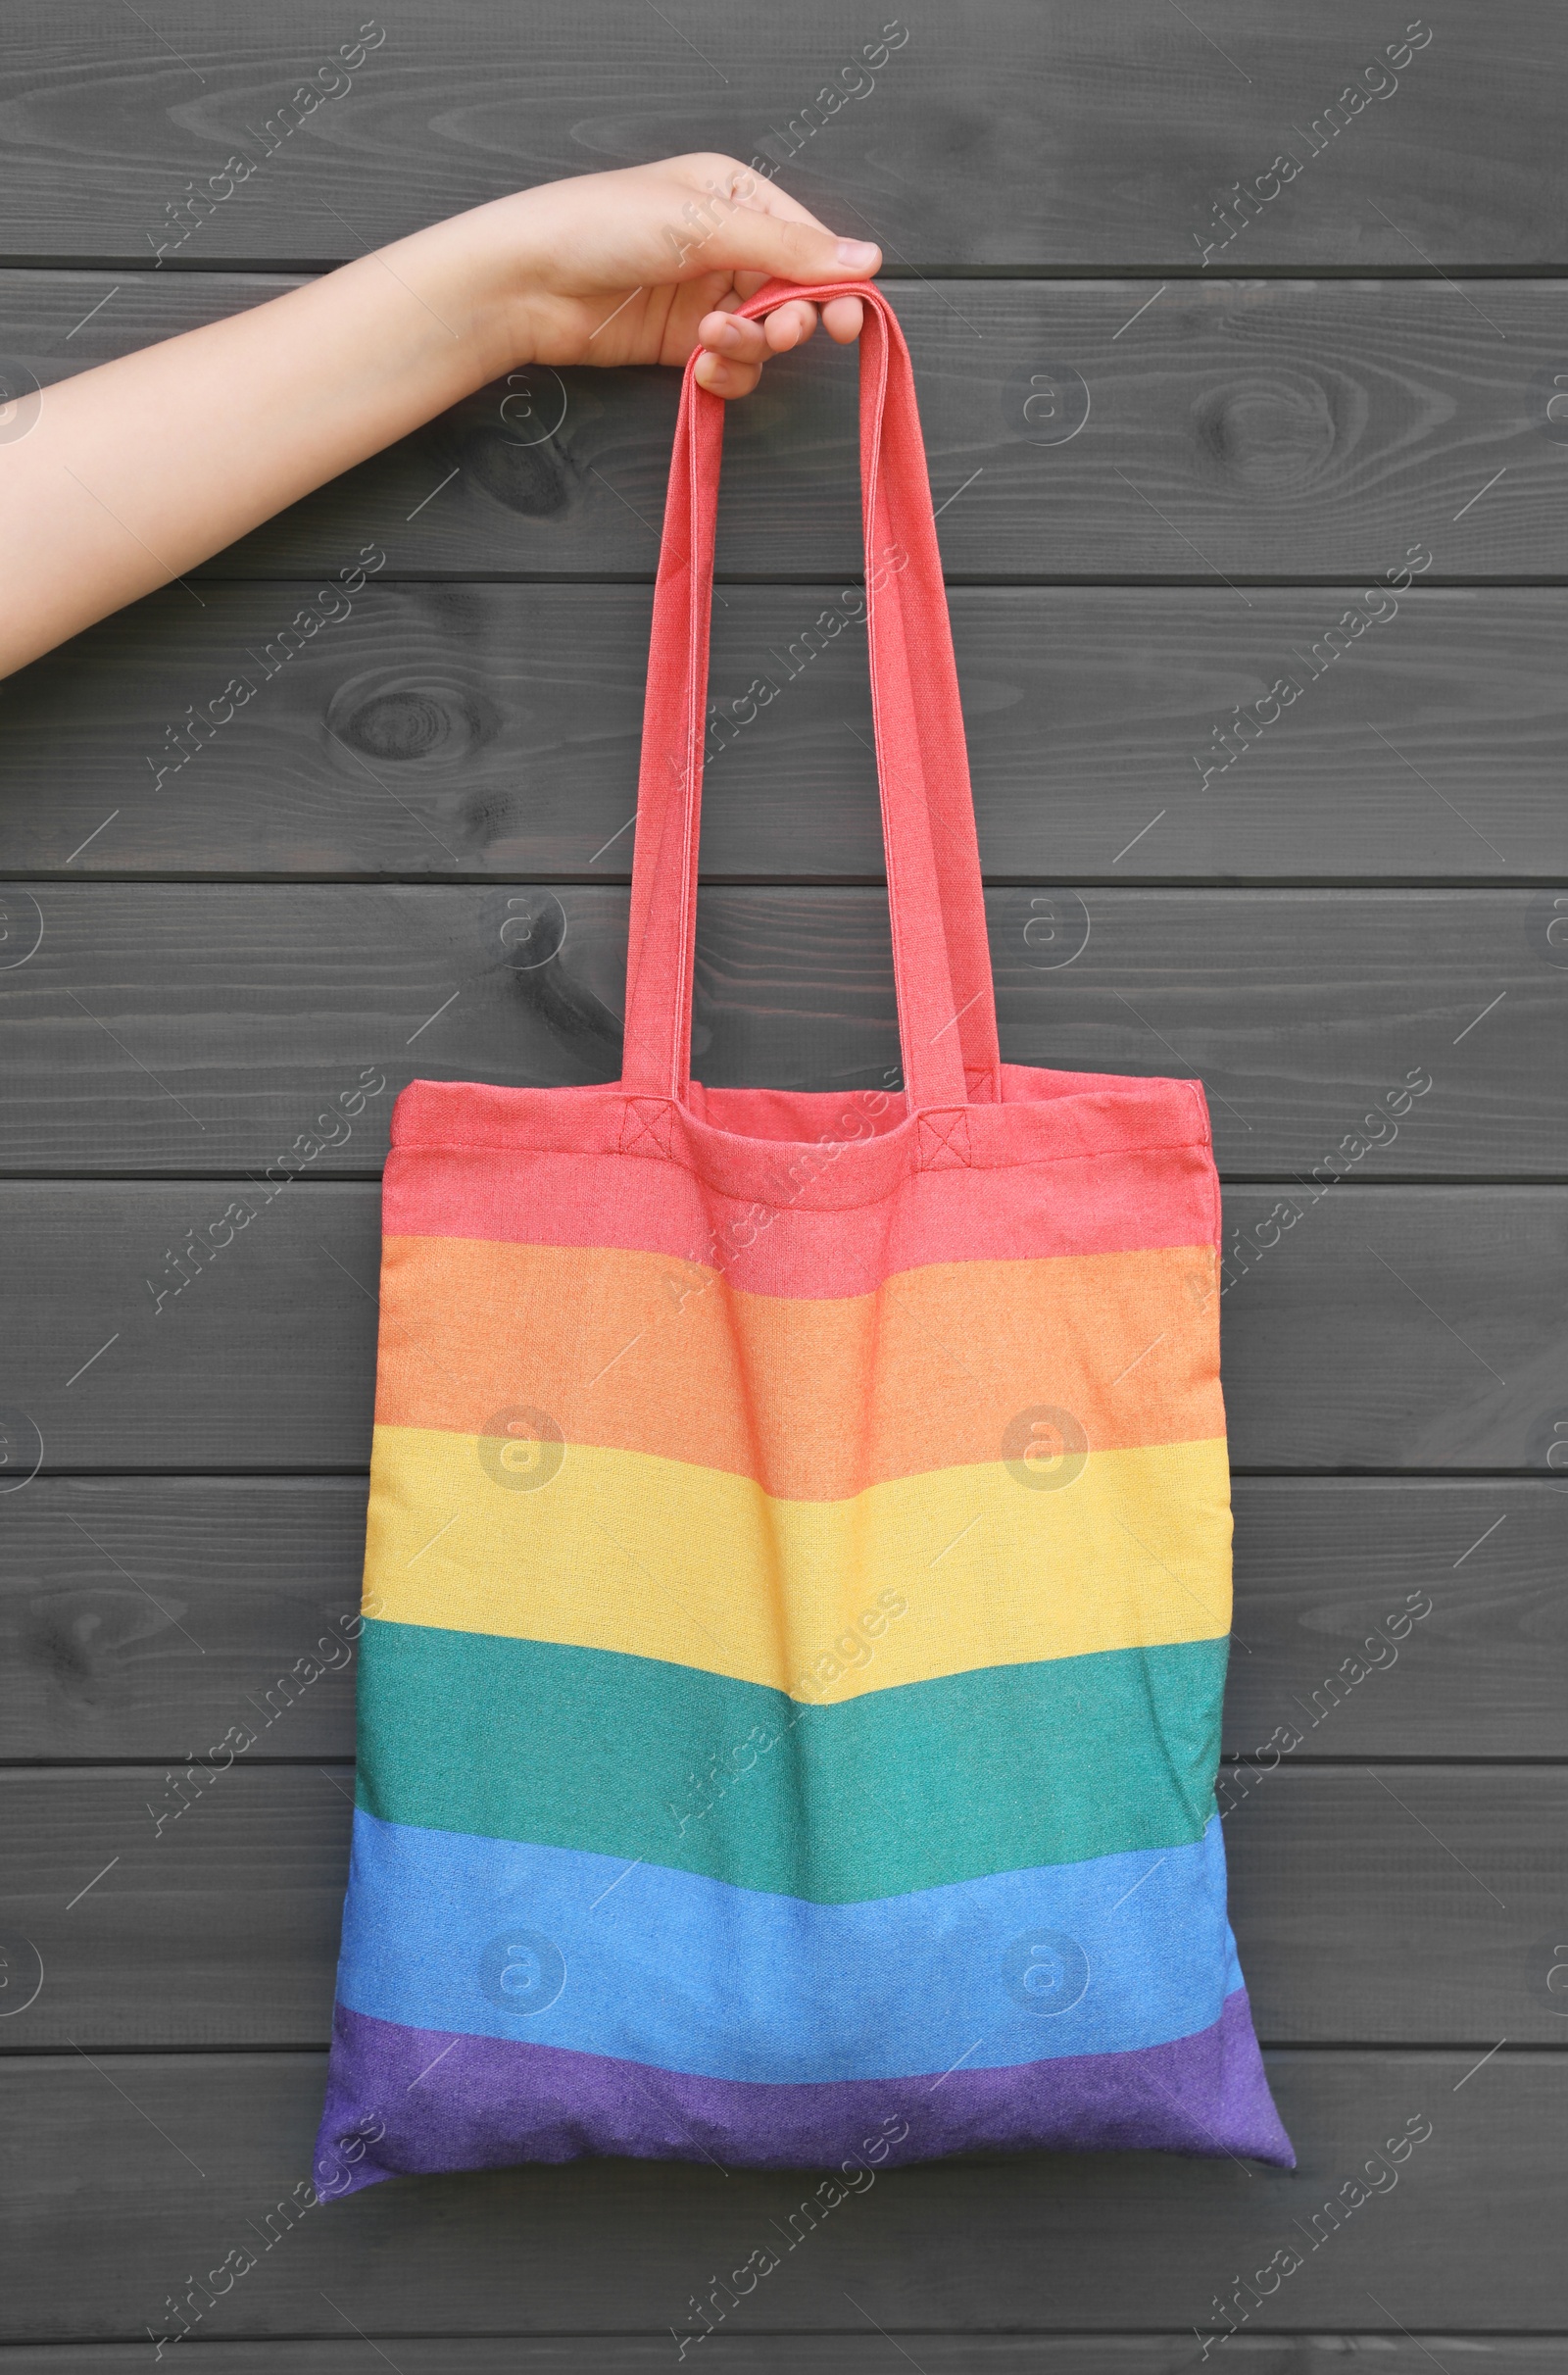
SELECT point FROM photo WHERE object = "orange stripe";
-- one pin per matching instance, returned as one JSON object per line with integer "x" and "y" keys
{"x": 813, "y": 1398}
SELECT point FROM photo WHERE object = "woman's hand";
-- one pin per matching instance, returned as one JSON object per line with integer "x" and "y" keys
{"x": 133, "y": 474}
{"x": 642, "y": 266}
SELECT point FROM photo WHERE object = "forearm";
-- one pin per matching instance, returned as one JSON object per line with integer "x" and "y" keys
{"x": 138, "y": 471}
{"x": 132, "y": 474}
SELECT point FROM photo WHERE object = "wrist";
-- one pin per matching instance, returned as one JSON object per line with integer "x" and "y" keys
{"x": 443, "y": 307}
{"x": 493, "y": 264}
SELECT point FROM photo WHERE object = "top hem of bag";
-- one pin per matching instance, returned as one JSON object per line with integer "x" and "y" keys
{"x": 895, "y": 1153}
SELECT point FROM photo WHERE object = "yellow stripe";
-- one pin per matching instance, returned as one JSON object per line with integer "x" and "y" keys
{"x": 935, "y": 1574}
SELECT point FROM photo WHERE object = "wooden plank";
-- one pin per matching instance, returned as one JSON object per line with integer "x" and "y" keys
{"x": 1305, "y": 1385}
{"x": 858, "y": 2353}
{"x": 1463, "y": 2239}
{"x": 1413, "y": 1909}
{"x": 220, "y": 1930}
{"x": 495, "y": 728}
{"x": 1285, "y": 428}
{"x": 1392, "y": 1327}
{"x": 137, "y": 1614}
{"x": 1320, "y": 1564}
{"x": 204, "y": 1027}
{"x": 1028, "y": 149}
{"x": 1236, "y": 431}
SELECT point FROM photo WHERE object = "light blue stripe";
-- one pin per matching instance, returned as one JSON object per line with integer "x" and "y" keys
{"x": 482, "y": 1937}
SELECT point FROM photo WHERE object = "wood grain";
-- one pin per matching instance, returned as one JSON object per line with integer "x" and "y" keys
{"x": 136, "y": 1615}
{"x": 1321, "y": 1562}
{"x": 1418, "y": 1328}
{"x": 204, "y": 1027}
{"x": 1419, "y": 1907}
{"x": 1283, "y": 428}
{"x": 862, "y": 2353}
{"x": 1004, "y": 136}
{"x": 1130, "y": 2239}
{"x": 484, "y": 728}
{"x": 1159, "y": 489}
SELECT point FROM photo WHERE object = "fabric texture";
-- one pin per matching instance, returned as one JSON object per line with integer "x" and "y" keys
{"x": 798, "y": 1565}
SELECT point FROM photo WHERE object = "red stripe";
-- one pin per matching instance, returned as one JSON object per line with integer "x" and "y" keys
{"x": 1118, "y": 1166}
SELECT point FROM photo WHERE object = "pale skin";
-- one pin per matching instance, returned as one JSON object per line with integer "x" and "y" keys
{"x": 137, "y": 472}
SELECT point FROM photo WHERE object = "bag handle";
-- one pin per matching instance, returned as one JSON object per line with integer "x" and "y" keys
{"x": 940, "y": 955}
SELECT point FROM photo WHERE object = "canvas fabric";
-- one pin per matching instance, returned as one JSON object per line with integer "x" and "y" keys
{"x": 798, "y": 1565}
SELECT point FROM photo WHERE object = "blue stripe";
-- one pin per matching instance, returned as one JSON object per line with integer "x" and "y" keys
{"x": 488, "y": 1939}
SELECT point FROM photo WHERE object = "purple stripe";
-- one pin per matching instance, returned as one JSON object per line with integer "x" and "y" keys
{"x": 482, "y": 2103}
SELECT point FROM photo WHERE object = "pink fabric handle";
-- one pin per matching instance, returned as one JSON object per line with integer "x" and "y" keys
{"x": 940, "y": 955}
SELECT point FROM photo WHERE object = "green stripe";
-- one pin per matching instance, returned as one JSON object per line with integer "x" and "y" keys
{"x": 1000, "y": 1770}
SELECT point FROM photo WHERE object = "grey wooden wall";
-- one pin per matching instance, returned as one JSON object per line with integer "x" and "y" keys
{"x": 1165, "y": 478}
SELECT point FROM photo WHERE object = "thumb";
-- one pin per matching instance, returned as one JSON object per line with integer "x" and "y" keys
{"x": 744, "y": 239}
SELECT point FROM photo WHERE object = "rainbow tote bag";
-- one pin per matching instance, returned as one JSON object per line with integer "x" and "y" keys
{"x": 798, "y": 1575}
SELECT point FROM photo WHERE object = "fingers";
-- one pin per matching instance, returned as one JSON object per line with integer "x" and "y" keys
{"x": 843, "y": 319}
{"x": 786, "y": 327}
{"x": 750, "y": 226}
{"x": 726, "y": 174}
{"x": 727, "y": 380}
{"x": 736, "y": 353}
{"x": 755, "y": 231}
{"x": 738, "y": 350}
{"x": 734, "y": 341}
{"x": 790, "y": 325}
{"x": 752, "y": 190}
